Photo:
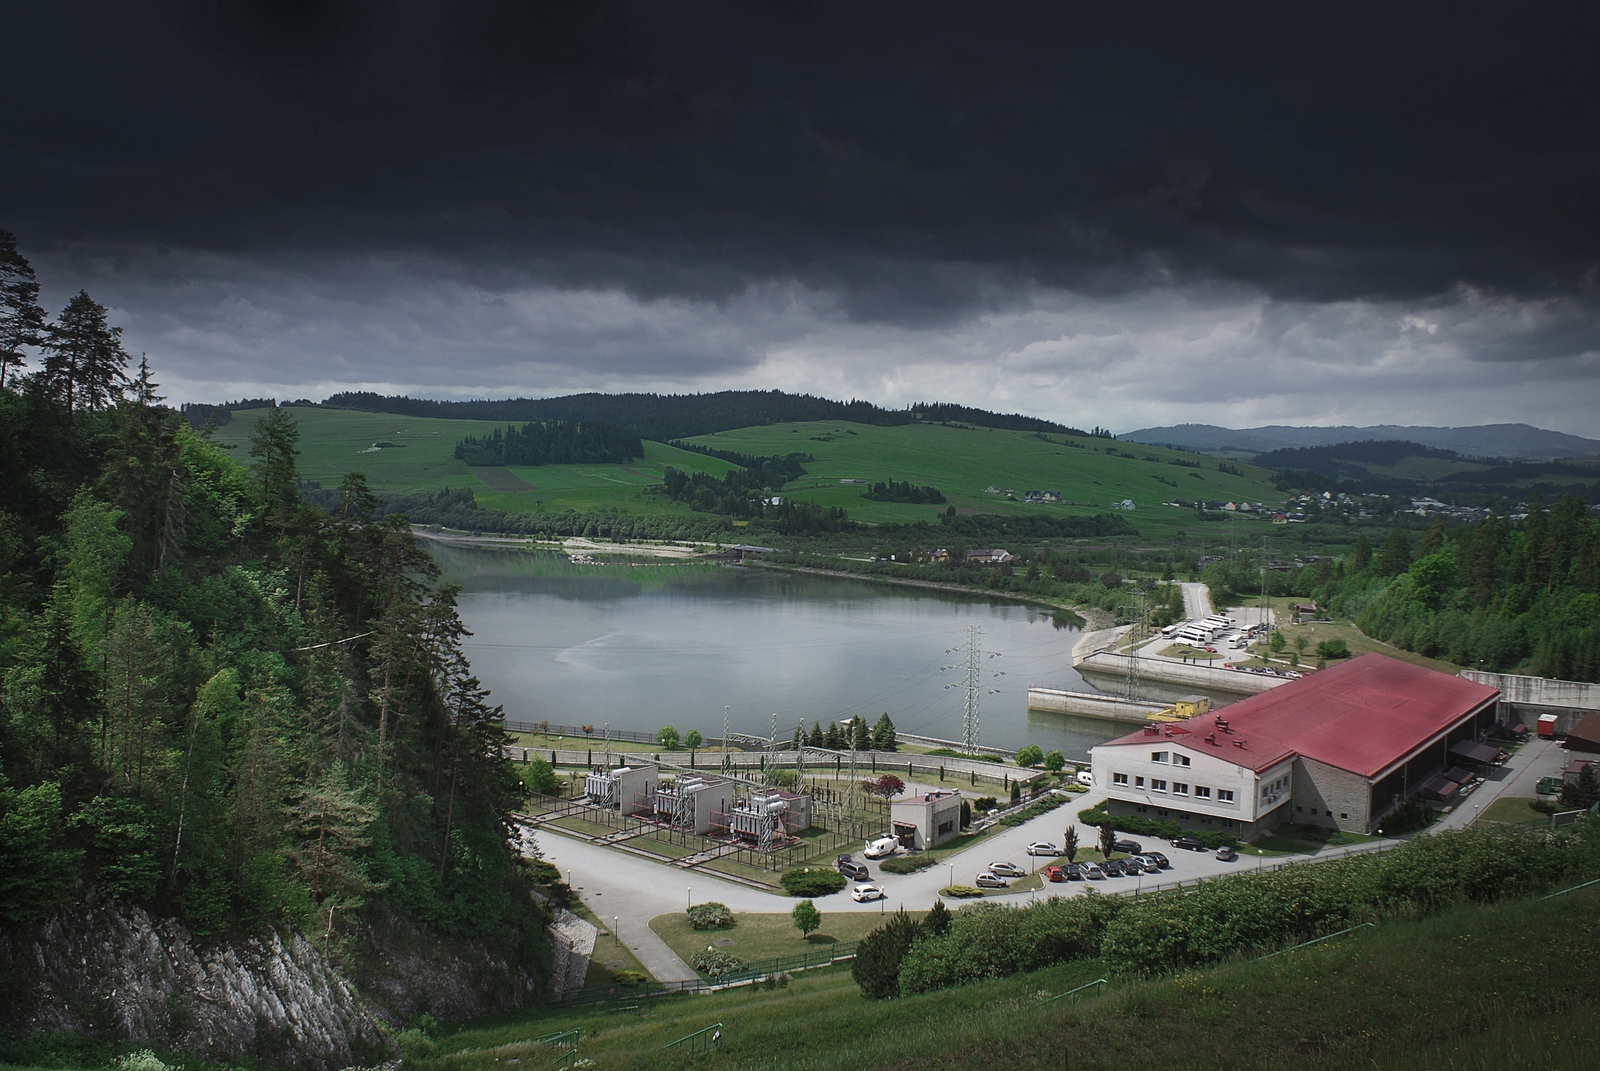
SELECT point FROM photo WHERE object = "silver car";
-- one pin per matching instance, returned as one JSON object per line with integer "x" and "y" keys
{"x": 1145, "y": 863}
{"x": 1092, "y": 871}
{"x": 987, "y": 880}
{"x": 1007, "y": 870}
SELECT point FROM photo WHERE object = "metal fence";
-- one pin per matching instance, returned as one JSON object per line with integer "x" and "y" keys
{"x": 840, "y": 952}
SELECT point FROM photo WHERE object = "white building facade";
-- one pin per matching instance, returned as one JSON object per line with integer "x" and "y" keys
{"x": 1156, "y": 776}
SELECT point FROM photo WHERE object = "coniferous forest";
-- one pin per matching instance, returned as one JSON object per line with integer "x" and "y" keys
{"x": 217, "y": 700}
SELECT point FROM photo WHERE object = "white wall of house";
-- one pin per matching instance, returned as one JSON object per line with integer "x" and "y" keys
{"x": 1158, "y": 772}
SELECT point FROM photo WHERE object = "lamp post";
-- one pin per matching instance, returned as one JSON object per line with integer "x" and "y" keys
{"x": 1259, "y": 853}
{"x": 952, "y": 873}
{"x": 689, "y": 893}
{"x": 616, "y": 929}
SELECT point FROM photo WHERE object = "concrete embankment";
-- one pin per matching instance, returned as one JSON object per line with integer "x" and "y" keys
{"x": 817, "y": 763}
{"x": 1201, "y": 678}
{"x": 1090, "y": 705}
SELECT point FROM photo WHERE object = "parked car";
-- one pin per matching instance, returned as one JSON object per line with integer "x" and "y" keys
{"x": 853, "y": 870}
{"x": 844, "y": 857}
{"x": 1132, "y": 847}
{"x": 1161, "y": 860}
{"x": 1147, "y": 864}
{"x": 881, "y": 847}
{"x": 1191, "y": 844}
{"x": 1007, "y": 870}
{"x": 862, "y": 893}
{"x": 1113, "y": 868}
{"x": 1227, "y": 853}
{"x": 1092, "y": 871}
{"x": 1085, "y": 778}
{"x": 1054, "y": 873}
{"x": 1073, "y": 871}
{"x": 1041, "y": 847}
{"x": 987, "y": 880}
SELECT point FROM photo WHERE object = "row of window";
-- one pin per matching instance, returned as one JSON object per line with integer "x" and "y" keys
{"x": 1276, "y": 787}
{"x": 1177, "y": 788}
{"x": 1175, "y": 758}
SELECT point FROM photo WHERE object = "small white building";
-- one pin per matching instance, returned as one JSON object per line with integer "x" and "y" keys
{"x": 624, "y": 788}
{"x": 926, "y": 820}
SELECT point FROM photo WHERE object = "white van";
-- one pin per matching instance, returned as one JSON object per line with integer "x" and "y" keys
{"x": 1086, "y": 778}
{"x": 881, "y": 847}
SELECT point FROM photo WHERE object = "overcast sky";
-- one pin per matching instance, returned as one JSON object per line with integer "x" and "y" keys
{"x": 1117, "y": 214}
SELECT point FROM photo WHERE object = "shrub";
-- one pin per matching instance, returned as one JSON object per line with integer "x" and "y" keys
{"x": 1054, "y": 761}
{"x": 905, "y": 864}
{"x": 990, "y": 941}
{"x": 811, "y": 881}
{"x": 1153, "y": 827}
{"x": 631, "y": 979}
{"x": 983, "y": 804}
{"x": 1333, "y": 649}
{"x": 667, "y": 737}
{"x": 714, "y": 963}
{"x": 693, "y": 739}
{"x": 1031, "y": 755}
{"x": 1033, "y": 810}
{"x": 876, "y": 968}
{"x": 710, "y": 916}
{"x": 960, "y": 892}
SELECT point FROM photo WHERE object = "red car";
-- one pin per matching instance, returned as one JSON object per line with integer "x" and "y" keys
{"x": 1053, "y": 873}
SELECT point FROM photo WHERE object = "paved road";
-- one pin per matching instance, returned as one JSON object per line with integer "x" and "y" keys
{"x": 1518, "y": 777}
{"x": 1196, "y": 601}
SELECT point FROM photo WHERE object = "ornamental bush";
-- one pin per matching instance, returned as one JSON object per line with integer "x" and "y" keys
{"x": 714, "y": 963}
{"x": 710, "y": 916}
{"x": 1153, "y": 827}
{"x": 960, "y": 892}
{"x": 810, "y": 881}
{"x": 906, "y": 864}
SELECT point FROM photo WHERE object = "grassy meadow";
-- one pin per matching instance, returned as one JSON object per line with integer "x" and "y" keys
{"x": 961, "y": 461}
{"x": 1471, "y": 988}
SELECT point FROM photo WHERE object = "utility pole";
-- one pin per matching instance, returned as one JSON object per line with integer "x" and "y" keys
{"x": 1132, "y": 685}
{"x": 1266, "y": 598}
{"x": 725, "y": 730}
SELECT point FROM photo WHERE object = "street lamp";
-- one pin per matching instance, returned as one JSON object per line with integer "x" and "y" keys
{"x": 616, "y": 929}
{"x": 1259, "y": 853}
{"x": 690, "y": 894}
{"x": 952, "y": 873}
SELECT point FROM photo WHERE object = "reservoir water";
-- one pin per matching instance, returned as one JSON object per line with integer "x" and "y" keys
{"x": 651, "y": 644}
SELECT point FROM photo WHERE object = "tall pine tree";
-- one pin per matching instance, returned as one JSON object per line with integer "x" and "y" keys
{"x": 21, "y": 318}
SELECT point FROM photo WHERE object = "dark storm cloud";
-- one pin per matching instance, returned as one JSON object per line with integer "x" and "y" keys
{"x": 923, "y": 163}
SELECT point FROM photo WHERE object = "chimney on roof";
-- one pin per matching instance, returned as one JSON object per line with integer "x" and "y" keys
{"x": 1240, "y": 744}
{"x": 1211, "y": 738}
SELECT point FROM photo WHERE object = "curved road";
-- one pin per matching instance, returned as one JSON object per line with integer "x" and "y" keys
{"x": 633, "y": 890}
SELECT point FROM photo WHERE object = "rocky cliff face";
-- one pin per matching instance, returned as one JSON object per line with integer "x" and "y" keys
{"x": 112, "y": 970}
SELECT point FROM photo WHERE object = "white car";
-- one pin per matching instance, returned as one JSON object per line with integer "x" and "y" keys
{"x": 881, "y": 847}
{"x": 1086, "y": 778}
{"x": 1040, "y": 847}
{"x": 1007, "y": 870}
{"x": 862, "y": 893}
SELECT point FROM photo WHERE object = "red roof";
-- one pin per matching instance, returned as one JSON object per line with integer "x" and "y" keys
{"x": 1363, "y": 715}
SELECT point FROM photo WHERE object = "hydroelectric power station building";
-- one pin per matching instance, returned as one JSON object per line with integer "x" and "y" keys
{"x": 1340, "y": 747}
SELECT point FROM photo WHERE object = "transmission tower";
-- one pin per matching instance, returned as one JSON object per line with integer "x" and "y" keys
{"x": 726, "y": 762}
{"x": 973, "y": 667}
{"x": 1266, "y": 599}
{"x": 800, "y": 755}
{"x": 1140, "y": 609}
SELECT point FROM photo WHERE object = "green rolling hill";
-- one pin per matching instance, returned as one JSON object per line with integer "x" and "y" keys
{"x": 402, "y": 454}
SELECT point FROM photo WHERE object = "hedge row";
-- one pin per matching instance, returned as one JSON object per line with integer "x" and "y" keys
{"x": 1251, "y": 912}
{"x": 811, "y": 881}
{"x": 1149, "y": 827}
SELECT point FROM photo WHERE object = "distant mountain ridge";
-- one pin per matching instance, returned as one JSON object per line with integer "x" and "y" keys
{"x": 1520, "y": 442}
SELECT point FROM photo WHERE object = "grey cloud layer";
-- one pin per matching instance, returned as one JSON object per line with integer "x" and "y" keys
{"x": 1045, "y": 205}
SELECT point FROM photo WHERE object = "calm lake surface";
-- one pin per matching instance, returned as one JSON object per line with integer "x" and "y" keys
{"x": 654, "y": 644}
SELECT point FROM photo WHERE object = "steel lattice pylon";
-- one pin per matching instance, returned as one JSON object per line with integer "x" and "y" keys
{"x": 969, "y": 715}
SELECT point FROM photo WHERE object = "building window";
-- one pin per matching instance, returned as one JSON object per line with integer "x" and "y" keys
{"x": 1158, "y": 756}
{"x": 946, "y": 827}
{"x": 1180, "y": 787}
{"x": 1142, "y": 809}
{"x": 1224, "y": 795}
{"x": 1138, "y": 782}
{"x": 1201, "y": 792}
{"x": 1160, "y": 813}
{"x": 1119, "y": 779}
{"x": 1343, "y": 815}
{"x": 1299, "y": 808}
{"x": 1313, "y": 810}
{"x": 1180, "y": 760}
{"x": 1157, "y": 785}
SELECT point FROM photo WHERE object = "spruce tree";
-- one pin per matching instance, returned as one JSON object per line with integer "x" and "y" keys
{"x": 883, "y": 734}
{"x": 860, "y": 738}
{"x": 84, "y": 359}
{"x": 816, "y": 734}
{"x": 21, "y": 318}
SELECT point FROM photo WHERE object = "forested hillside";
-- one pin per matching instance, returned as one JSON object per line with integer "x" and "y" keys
{"x": 1514, "y": 596}
{"x": 216, "y": 700}
{"x": 664, "y": 417}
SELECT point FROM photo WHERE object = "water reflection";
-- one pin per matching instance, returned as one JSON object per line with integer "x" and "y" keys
{"x": 651, "y": 644}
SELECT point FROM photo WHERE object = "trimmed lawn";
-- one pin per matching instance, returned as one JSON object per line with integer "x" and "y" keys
{"x": 756, "y": 937}
{"x": 1513, "y": 809}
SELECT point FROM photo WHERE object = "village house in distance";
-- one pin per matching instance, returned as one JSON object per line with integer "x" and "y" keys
{"x": 1343, "y": 747}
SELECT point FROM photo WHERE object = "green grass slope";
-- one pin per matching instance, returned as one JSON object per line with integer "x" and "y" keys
{"x": 1472, "y": 988}
{"x": 336, "y": 441}
{"x": 963, "y": 462}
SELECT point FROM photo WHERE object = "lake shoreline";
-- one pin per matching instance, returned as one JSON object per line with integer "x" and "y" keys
{"x": 1093, "y": 617}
